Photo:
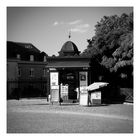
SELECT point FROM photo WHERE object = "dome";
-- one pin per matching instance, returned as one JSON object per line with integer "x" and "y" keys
{"x": 69, "y": 48}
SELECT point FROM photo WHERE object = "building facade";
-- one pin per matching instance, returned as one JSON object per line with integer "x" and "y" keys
{"x": 26, "y": 71}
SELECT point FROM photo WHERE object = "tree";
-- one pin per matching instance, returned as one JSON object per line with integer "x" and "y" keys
{"x": 112, "y": 44}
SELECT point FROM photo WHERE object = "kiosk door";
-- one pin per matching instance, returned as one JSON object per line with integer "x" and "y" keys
{"x": 72, "y": 83}
{"x": 70, "y": 79}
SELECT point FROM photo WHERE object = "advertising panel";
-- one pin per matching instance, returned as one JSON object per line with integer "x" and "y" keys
{"x": 96, "y": 95}
{"x": 83, "y": 88}
{"x": 54, "y": 86}
{"x": 83, "y": 78}
{"x": 55, "y": 95}
{"x": 64, "y": 92}
{"x": 54, "y": 78}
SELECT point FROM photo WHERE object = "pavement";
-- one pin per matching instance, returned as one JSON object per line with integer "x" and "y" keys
{"x": 40, "y": 116}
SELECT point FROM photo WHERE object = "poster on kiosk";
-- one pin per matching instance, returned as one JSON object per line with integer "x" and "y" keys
{"x": 64, "y": 92}
{"x": 83, "y": 88}
{"x": 54, "y": 87}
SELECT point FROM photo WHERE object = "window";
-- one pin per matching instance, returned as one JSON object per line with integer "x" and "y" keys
{"x": 31, "y": 57}
{"x": 28, "y": 46}
{"x": 18, "y": 56}
{"x": 31, "y": 72}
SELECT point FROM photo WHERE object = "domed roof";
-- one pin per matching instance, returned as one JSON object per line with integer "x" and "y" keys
{"x": 69, "y": 47}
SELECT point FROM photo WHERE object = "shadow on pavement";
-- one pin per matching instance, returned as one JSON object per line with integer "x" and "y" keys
{"x": 32, "y": 104}
{"x": 98, "y": 105}
{"x": 67, "y": 104}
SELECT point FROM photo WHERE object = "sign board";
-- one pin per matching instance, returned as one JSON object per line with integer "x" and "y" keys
{"x": 54, "y": 87}
{"x": 83, "y": 78}
{"x": 96, "y": 97}
{"x": 55, "y": 95}
{"x": 83, "y": 96}
{"x": 83, "y": 88}
{"x": 54, "y": 78}
{"x": 64, "y": 92}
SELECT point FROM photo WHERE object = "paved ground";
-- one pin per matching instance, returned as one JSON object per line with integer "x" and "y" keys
{"x": 38, "y": 116}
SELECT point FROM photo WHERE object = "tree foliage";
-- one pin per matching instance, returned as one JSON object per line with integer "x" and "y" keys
{"x": 112, "y": 44}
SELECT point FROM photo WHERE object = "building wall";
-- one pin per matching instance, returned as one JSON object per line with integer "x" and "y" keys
{"x": 26, "y": 72}
{"x": 38, "y": 70}
{"x": 33, "y": 79}
{"x": 12, "y": 66}
{"x": 20, "y": 81}
{"x": 12, "y": 76}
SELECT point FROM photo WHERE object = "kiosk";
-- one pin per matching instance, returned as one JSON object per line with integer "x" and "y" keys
{"x": 69, "y": 75}
{"x": 94, "y": 91}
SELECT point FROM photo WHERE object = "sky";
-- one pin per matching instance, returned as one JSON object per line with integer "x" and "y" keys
{"x": 48, "y": 28}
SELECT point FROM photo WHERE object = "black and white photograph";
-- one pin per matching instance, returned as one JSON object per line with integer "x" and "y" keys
{"x": 69, "y": 69}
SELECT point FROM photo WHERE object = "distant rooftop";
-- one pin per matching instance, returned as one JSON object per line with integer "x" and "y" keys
{"x": 24, "y": 50}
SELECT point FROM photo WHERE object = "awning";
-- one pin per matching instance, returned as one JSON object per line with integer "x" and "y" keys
{"x": 96, "y": 85}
